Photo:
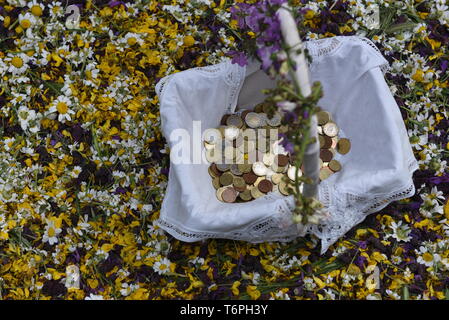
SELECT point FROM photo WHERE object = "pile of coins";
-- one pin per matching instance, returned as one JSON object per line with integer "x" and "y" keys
{"x": 329, "y": 145}
{"x": 248, "y": 160}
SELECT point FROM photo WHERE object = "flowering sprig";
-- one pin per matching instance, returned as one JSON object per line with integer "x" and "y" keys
{"x": 260, "y": 30}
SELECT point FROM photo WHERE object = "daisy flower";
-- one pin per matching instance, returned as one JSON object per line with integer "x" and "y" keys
{"x": 426, "y": 258}
{"x": 36, "y": 8}
{"x": 52, "y": 230}
{"x": 61, "y": 105}
{"x": 400, "y": 232}
{"x": 18, "y": 63}
{"x": 162, "y": 266}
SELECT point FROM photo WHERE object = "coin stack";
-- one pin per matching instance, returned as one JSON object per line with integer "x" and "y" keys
{"x": 248, "y": 161}
{"x": 330, "y": 144}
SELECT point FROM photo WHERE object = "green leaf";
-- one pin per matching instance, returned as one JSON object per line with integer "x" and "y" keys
{"x": 400, "y": 27}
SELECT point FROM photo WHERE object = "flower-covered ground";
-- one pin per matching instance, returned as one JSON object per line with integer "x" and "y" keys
{"x": 83, "y": 165}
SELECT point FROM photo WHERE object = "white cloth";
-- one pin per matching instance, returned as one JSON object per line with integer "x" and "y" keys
{"x": 376, "y": 171}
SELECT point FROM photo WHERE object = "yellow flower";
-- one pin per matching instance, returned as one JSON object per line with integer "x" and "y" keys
{"x": 189, "y": 41}
{"x": 418, "y": 76}
{"x": 235, "y": 288}
{"x": 253, "y": 292}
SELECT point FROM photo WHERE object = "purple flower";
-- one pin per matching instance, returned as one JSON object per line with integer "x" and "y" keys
{"x": 288, "y": 145}
{"x": 444, "y": 65}
{"x": 238, "y": 57}
{"x": 114, "y": 3}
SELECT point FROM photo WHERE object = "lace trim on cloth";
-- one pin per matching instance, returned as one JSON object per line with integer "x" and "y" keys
{"x": 275, "y": 227}
{"x": 234, "y": 78}
{"x": 322, "y": 47}
{"x": 328, "y": 46}
{"x": 161, "y": 85}
{"x": 367, "y": 42}
{"x": 348, "y": 209}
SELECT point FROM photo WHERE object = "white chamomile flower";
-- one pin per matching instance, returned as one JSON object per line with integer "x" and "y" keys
{"x": 51, "y": 233}
{"x": 162, "y": 266}
{"x": 61, "y": 105}
{"x": 75, "y": 172}
{"x": 426, "y": 258}
{"x": 27, "y": 20}
{"x": 25, "y": 116}
{"x": 400, "y": 232}
{"x": 18, "y": 63}
{"x": 36, "y": 8}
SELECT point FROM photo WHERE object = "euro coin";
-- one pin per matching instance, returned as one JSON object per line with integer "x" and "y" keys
{"x": 265, "y": 186}
{"x": 259, "y": 168}
{"x": 253, "y": 120}
{"x": 330, "y": 129}
{"x": 229, "y": 195}
{"x": 234, "y": 120}
{"x": 343, "y": 146}
{"x": 323, "y": 117}
{"x": 334, "y": 165}
{"x": 226, "y": 179}
{"x": 325, "y": 173}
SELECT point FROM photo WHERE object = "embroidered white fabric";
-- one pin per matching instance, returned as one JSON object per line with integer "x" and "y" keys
{"x": 377, "y": 171}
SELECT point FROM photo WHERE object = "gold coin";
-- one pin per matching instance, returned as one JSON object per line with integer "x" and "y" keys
{"x": 256, "y": 183}
{"x": 277, "y": 178}
{"x": 211, "y": 172}
{"x": 216, "y": 183}
{"x": 239, "y": 184}
{"x": 343, "y": 146}
{"x": 334, "y": 165}
{"x": 278, "y": 169}
{"x": 219, "y": 192}
{"x": 226, "y": 179}
{"x": 325, "y": 173}
{"x": 245, "y": 168}
{"x": 283, "y": 188}
{"x": 323, "y": 117}
{"x": 255, "y": 193}
{"x": 330, "y": 129}
{"x": 246, "y": 195}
